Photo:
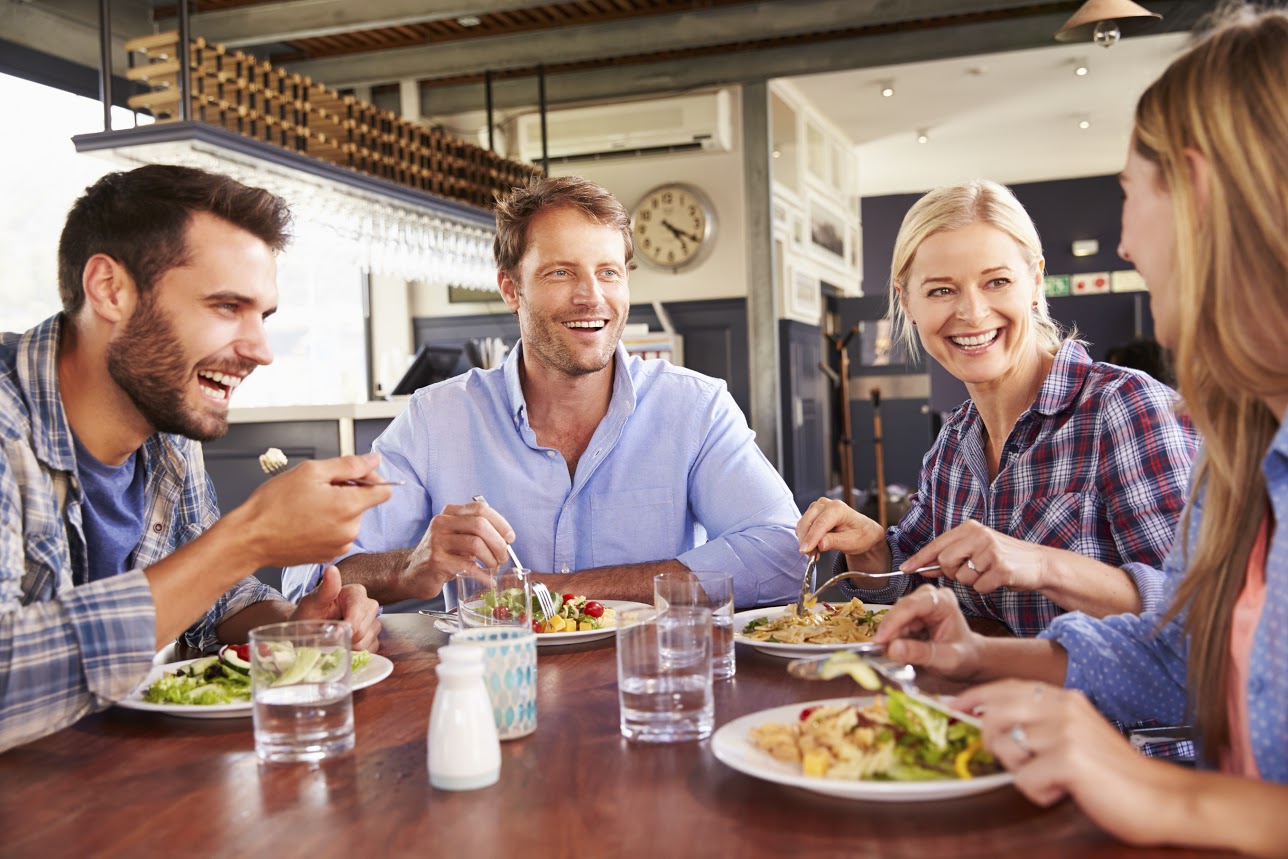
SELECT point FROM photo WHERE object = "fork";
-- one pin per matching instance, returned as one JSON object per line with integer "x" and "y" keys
{"x": 857, "y": 575}
{"x": 541, "y": 591}
{"x": 806, "y": 580}
{"x": 894, "y": 673}
{"x": 275, "y": 464}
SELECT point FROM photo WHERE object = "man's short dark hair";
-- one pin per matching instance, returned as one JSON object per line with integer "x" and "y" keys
{"x": 140, "y": 219}
{"x": 515, "y": 211}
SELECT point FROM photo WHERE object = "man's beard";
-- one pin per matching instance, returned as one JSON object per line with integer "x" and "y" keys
{"x": 150, "y": 364}
{"x": 541, "y": 339}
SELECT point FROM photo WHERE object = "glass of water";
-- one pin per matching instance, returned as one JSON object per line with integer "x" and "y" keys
{"x": 706, "y": 589}
{"x": 300, "y": 674}
{"x": 664, "y": 674}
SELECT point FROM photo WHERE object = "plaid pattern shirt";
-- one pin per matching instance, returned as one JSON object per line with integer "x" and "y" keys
{"x": 1099, "y": 465}
{"x": 67, "y": 645}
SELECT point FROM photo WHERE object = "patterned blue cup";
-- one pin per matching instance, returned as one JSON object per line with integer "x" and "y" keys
{"x": 510, "y": 673}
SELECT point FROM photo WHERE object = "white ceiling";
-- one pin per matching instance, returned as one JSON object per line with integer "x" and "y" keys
{"x": 1009, "y": 117}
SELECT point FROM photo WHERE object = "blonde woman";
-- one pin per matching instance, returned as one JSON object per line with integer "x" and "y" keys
{"x": 1058, "y": 484}
{"x": 1205, "y": 224}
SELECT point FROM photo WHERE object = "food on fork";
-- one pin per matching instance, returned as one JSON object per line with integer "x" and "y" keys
{"x": 845, "y": 624}
{"x": 272, "y": 460}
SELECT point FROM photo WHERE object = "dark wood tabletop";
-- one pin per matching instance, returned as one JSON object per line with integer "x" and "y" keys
{"x": 131, "y": 783}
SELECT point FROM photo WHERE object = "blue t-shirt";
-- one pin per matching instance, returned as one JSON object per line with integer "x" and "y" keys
{"x": 113, "y": 511}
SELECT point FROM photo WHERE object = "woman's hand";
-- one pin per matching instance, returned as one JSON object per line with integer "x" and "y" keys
{"x": 984, "y": 559}
{"x": 830, "y": 524}
{"x": 944, "y": 644}
{"x": 1057, "y": 745}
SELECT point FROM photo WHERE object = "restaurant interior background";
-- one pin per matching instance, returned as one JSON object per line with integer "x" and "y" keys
{"x": 809, "y": 126}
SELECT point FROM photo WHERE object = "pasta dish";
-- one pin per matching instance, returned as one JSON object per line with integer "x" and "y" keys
{"x": 844, "y": 624}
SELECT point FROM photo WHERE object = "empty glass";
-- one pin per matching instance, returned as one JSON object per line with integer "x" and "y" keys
{"x": 664, "y": 674}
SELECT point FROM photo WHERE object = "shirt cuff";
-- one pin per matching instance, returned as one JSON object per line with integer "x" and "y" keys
{"x": 114, "y": 623}
{"x": 717, "y": 556}
{"x": 299, "y": 580}
{"x": 1149, "y": 582}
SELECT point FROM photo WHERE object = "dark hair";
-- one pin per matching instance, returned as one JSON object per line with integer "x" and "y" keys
{"x": 140, "y": 218}
{"x": 1145, "y": 355}
{"x": 515, "y": 211}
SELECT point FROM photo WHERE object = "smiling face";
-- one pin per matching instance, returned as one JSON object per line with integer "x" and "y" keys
{"x": 196, "y": 335}
{"x": 971, "y": 295}
{"x": 1149, "y": 240}
{"x": 570, "y": 293}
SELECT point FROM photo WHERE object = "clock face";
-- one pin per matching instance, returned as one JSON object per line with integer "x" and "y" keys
{"x": 672, "y": 226}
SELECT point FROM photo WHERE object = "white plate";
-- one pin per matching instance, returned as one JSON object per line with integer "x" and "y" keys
{"x": 368, "y": 675}
{"x": 562, "y": 639}
{"x": 742, "y": 618}
{"x": 732, "y": 746}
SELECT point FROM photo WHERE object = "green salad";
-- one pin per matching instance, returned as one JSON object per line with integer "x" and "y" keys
{"x": 224, "y": 678}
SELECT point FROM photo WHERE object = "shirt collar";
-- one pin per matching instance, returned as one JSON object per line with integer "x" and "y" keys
{"x": 1068, "y": 372}
{"x": 622, "y": 401}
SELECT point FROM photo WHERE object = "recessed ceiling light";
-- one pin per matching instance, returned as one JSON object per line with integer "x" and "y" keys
{"x": 1080, "y": 71}
{"x": 1084, "y": 124}
{"x": 778, "y": 153}
{"x": 469, "y": 20}
{"x": 887, "y": 89}
{"x": 923, "y": 136}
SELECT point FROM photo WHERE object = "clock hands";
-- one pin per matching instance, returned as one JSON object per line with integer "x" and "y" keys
{"x": 680, "y": 234}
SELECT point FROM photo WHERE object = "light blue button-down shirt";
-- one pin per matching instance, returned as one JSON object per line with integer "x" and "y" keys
{"x": 672, "y": 472}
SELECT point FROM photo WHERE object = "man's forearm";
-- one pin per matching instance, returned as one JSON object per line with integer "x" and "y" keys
{"x": 632, "y": 582}
{"x": 235, "y": 628}
{"x": 382, "y": 574}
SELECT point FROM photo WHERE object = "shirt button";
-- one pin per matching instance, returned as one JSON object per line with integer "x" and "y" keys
{"x": 550, "y": 453}
{"x": 157, "y": 527}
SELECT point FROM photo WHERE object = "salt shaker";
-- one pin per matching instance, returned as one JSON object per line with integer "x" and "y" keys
{"x": 463, "y": 750}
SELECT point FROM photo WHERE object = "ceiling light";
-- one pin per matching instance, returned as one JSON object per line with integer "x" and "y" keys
{"x": 469, "y": 20}
{"x": 923, "y": 136}
{"x": 778, "y": 153}
{"x": 1104, "y": 21}
{"x": 1084, "y": 124}
{"x": 887, "y": 89}
{"x": 1081, "y": 70}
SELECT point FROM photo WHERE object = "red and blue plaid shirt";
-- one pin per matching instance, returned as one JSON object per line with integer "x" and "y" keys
{"x": 1098, "y": 465}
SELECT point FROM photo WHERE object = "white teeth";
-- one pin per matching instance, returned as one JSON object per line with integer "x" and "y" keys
{"x": 976, "y": 340}
{"x": 596, "y": 323}
{"x": 221, "y": 378}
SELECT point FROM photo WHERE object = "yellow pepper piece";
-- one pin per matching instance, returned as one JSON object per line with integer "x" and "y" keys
{"x": 814, "y": 763}
{"x": 961, "y": 762}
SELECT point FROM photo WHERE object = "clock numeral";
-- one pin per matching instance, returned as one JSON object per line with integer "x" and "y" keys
{"x": 693, "y": 210}
{"x": 648, "y": 243}
{"x": 667, "y": 198}
{"x": 654, "y": 202}
{"x": 646, "y": 215}
{"x": 670, "y": 256}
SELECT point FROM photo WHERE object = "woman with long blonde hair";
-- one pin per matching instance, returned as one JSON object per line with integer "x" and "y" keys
{"x": 1205, "y": 224}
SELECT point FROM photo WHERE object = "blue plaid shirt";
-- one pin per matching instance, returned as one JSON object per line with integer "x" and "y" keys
{"x": 69, "y": 646}
{"x": 1099, "y": 465}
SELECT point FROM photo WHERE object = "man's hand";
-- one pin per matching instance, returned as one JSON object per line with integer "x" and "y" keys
{"x": 350, "y": 603}
{"x": 302, "y": 517}
{"x": 456, "y": 538}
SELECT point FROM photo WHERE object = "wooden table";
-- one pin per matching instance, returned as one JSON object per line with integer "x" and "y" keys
{"x": 129, "y": 783}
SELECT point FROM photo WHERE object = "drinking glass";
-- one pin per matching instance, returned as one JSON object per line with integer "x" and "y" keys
{"x": 664, "y": 674}
{"x": 507, "y": 603}
{"x": 301, "y": 690}
{"x": 713, "y": 590}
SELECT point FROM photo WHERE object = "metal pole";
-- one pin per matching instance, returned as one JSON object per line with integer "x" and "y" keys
{"x": 487, "y": 91}
{"x": 541, "y": 104}
{"x": 185, "y": 73}
{"x": 105, "y": 60}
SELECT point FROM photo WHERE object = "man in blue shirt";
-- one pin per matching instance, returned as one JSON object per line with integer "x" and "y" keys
{"x": 111, "y": 543}
{"x": 602, "y": 469}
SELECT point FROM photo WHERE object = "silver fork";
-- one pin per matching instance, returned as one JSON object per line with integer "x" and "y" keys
{"x": 273, "y": 465}
{"x": 857, "y": 575}
{"x": 806, "y": 580}
{"x": 894, "y": 673}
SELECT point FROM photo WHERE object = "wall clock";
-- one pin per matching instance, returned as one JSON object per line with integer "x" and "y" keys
{"x": 673, "y": 226}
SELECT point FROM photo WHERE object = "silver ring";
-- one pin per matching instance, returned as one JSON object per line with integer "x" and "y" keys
{"x": 970, "y": 564}
{"x": 934, "y": 595}
{"x": 1021, "y": 739}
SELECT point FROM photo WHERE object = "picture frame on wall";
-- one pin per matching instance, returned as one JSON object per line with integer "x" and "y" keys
{"x": 804, "y": 296}
{"x": 828, "y": 235}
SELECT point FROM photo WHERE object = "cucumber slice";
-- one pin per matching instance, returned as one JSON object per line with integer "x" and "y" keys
{"x": 848, "y": 663}
{"x": 229, "y": 657}
{"x": 305, "y": 659}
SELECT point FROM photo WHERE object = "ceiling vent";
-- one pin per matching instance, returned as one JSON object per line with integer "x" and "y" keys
{"x": 688, "y": 123}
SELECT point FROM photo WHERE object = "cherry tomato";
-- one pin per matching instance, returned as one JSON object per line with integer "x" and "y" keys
{"x": 536, "y": 626}
{"x": 805, "y": 713}
{"x": 593, "y": 609}
{"x": 242, "y": 651}
{"x": 569, "y": 597}
{"x": 501, "y": 612}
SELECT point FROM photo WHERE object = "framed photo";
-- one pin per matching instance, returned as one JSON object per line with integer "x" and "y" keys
{"x": 804, "y": 296}
{"x": 828, "y": 234}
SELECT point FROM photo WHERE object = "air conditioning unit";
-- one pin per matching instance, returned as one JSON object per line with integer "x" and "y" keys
{"x": 692, "y": 122}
